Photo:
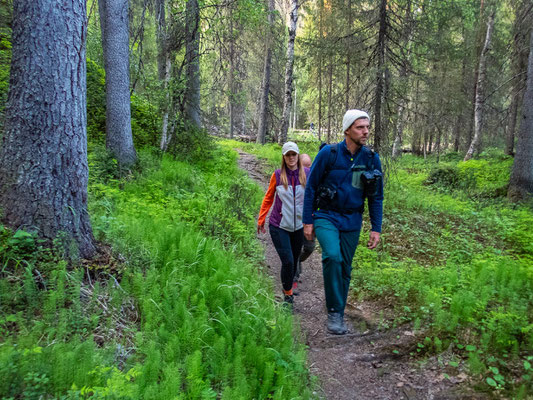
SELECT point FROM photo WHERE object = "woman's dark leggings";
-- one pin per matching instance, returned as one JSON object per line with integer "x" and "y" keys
{"x": 288, "y": 245}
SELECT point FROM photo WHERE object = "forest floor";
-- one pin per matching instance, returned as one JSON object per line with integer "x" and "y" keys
{"x": 372, "y": 361}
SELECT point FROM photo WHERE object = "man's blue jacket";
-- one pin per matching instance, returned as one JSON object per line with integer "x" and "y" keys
{"x": 350, "y": 195}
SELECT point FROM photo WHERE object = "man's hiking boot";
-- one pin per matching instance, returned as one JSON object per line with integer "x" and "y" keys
{"x": 335, "y": 324}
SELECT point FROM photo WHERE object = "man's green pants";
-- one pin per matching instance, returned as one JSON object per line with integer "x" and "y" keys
{"x": 338, "y": 249}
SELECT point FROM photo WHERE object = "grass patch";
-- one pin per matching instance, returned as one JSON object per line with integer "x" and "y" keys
{"x": 186, "y": 315}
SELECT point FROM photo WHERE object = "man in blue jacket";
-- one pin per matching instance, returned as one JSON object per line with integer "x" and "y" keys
{"x": 333, "y": 208}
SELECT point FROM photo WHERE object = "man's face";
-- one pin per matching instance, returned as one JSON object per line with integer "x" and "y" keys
{"x": 358, "y": 131}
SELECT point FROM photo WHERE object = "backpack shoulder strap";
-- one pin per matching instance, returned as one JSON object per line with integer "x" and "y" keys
{"x": 332, "y": 159}
{"x": 372, "y": 155}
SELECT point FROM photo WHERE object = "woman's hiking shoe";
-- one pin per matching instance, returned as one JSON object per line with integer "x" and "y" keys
{"x": 335, "y": 324}
{"x": 288, "y": 300}
{"x": 295, "y": 291}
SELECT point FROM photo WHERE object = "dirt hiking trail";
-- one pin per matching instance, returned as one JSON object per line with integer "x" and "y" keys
{"x": 370, "y": 362}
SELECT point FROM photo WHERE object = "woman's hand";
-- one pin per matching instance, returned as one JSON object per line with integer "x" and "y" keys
{"x": 261, "y": 228}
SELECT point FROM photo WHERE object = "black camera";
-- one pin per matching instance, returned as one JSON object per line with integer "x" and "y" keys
{"x": 325, "y": 197}
{"x": 371, "y": 182}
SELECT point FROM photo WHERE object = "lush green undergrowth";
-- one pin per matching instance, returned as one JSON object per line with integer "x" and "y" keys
{"x": 456, "y": 262}
{"x": 186, "y": 315}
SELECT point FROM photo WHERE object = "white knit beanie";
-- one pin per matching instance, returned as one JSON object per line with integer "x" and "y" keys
{"x": 351, "y": 116}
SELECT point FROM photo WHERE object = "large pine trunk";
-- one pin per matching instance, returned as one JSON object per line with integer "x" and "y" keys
{"x": 263, "y": 107}
{"x": 114, "y": 24}
{"x": 287, "y": 100}
{"x": 43, "y": 159}
{"x": 192, "y": 94}
{"x": 521, "y": 182}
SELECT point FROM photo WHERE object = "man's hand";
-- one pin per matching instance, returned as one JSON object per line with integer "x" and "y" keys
{"x": 261, "y": 228}
{"x": 373, "y": 240}
{"x": 309, "y": 231}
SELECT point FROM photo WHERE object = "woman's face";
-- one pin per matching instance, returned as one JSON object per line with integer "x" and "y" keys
{"x": 291, "y": 159}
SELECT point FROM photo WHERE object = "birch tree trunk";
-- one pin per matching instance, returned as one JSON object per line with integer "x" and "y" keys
{"x": 480, "y": 92}
{"x": 287, "y": 100}
{"x": 521, "y": 181}
{"x": 43, "y": 157}
{"x": 192, "y": 55}
{"x": 263, "y": 107}
{"x": 114, "y": 24}
{"x": 163, "y": 67}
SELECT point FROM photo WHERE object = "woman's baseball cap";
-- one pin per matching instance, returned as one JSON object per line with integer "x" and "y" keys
{"x": 290, "y": 146}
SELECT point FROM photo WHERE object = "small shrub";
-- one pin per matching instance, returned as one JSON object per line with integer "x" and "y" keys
{"x": 444, "y": 176}
{"x": 191, "y": 144}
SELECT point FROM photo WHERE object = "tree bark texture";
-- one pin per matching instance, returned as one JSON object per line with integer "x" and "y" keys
{"x": 114, "y": 23}
{"x": 231, "y": 73}
{"x": 263, "y": 107}
{"x": 404, "y": 83}
{"x": 480, "y": 92}
{"x": 380, "y": 77}
{"x": 523, "y": 20}
{"x": 163, "y": 67}
{"x": 348, "y": 55}
{"x": 521, "y": 182}
{"x": 287, "y": 100}
{"x": 192, "y": 95}
{"x": 330, "y": 93}
{"x": 43, "y": 158}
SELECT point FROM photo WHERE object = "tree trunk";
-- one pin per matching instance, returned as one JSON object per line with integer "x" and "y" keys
{"x": 294, "y": 112}
{"x": 231, "y": 73}
{"x": 165, "y": 134}
{"x": 480, "y": 92}
{"x": 263, "y": 107}
{"x": 330, "y": 93}
{"x": 43, "y": 158}
{"x": 397, "y": 145}
{"x": 348, "y": 56}
{"x": 379, "y": 133}
{"x": 320, "y": 99}
{"x": 404, "y": 83}
{"x": 523, "y": 20}
{"x": 163, "y": 67}
{"x": 287, "y": 100}
{"x": 320, "y": 61}
{"x": 192, "y": 55}
{"x": 511, "y": 126}
{"x": 521, "y": 181}
{"x": 114, "y": 23}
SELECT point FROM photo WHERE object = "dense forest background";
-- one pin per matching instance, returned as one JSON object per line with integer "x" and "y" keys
{"x": 128, "y": 258}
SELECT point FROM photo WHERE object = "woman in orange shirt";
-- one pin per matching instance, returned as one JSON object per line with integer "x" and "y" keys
{"x": 285, "y": 195}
